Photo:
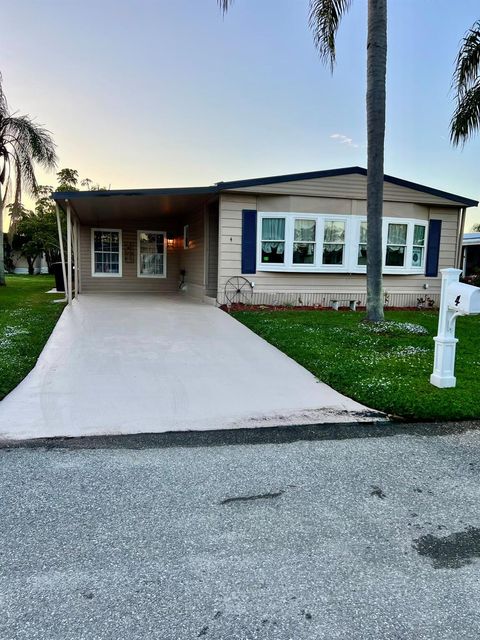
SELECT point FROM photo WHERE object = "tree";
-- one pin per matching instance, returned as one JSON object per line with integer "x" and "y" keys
{"x": 23, "y": 144}
{"x": 36, "y": 232}
{"x": 67, "y": 180}
{"x": 26, "y": 239}
{"x": 466, "y": 83}
{"x": 324, "y": 20}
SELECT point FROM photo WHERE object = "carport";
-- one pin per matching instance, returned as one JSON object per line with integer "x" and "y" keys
{"x": 139, "y": 241}
{"x": 142, "y": 363}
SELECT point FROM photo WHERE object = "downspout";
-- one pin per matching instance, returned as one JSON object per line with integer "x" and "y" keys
{"x": 62, "y": 253}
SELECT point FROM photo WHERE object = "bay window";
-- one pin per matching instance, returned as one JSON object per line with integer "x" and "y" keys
{"x": 362, "y": 245}
{"x": 273, "y": 240}
{"x": 418, "y": 245}
{"x": 333, "y": 242}
{"x": 396, "y": 245}
{"x": 304, "y": 236}
{"x": 318, "y": 242}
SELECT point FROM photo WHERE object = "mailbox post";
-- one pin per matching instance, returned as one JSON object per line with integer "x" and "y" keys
{"x": 457, "y": 299}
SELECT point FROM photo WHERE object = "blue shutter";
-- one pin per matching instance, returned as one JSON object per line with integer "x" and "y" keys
{"x": 433, "y": 248}
{"x": 249, "y": 241}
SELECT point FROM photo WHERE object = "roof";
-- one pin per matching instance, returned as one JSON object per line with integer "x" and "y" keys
{"x": 239, "y": 184}
{"x": 471, "y": 238}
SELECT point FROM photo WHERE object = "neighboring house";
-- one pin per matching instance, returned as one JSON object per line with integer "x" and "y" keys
{"x": 471, "y": 254}
{"x": 297, "y": 239}
{"x": 20, "y": 264}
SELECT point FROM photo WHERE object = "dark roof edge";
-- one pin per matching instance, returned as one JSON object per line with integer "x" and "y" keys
{"x": 186, "y": 191}
{"x": 290, "y": 177}
{"x": 468, "y": 202}
{"x": 254, "y": 182}
{"x": 238, "y": 184}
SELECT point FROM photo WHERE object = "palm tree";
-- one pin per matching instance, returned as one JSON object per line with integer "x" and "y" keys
{"x": 23, "y": 144}
{"x": 324, "y": 19}
{"x": 466, "y": 83}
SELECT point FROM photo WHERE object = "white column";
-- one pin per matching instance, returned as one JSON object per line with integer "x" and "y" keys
{"x": 75, "y": 253}
{"x": 445, "y": 342}
{"x": 68, "y": 284}
{"x": 78, "y": 270}
{"x": 62, "y": 251}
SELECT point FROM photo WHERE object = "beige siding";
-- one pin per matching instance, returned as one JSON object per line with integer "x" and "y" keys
{"x": 193, "y": 258}
{"x": 310, "y": 204}
{"x": 352, "y": 186}
{"x": 129, "y": 282}
{"x": 314, "y": 288}
{"x": 212, "y": 252}
{"x": 448, "y": 244}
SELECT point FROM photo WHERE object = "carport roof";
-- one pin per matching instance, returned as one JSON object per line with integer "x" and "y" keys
{"x": 90, "y": 204}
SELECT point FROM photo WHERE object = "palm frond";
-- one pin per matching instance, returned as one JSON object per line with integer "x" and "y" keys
{"x": 467, "y": 64}
{"x": 324, "y": 19}
{"x": 466, "y": 118}
{"x": 3, "y": 101}
{"x": 225, "y": 5}
{"x": 34, "y": 138}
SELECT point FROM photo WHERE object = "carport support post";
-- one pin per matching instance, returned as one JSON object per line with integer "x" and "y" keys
{"x": 445, "y": 341}
{"x": 75, "y": 253}
{"x": 68, "y": 284}
{"x": 60, "y": 242}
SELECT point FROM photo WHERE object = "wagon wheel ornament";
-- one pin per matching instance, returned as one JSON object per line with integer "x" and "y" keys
{"x": 238, "y": 290}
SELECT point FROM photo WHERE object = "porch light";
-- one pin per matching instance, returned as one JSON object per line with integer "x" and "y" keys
{"x": 170, "y": 240}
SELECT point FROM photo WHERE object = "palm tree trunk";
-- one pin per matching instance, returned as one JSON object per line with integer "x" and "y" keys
{"x": 2, "y": 261}
{"x": 376, "y": 98}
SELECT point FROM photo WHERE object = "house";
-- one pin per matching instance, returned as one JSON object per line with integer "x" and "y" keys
{"x": 291, "y": 239}
{"x": 470, "y": 264}
{"x": 19, "y": 264}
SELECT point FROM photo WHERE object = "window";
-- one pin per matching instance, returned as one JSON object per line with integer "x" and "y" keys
{"x": 106, "y": 252}
{"x": 418, "y": 245}
{"x": 304, "y": 242}
{"x": 362, "y": 245}
{"x": 396, "y": 245}
{"x": 333, "y": 242}
{"x": 273, "y": 240}
{"x": 151, "y": 254}
{"x": 329, "y": 243}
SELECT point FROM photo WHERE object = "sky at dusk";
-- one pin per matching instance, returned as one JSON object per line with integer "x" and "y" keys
{"x": 154, "y": 93}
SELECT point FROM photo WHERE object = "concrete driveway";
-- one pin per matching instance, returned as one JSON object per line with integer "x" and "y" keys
{"x": 142, "y": 363}
{"x": 362, "y": 539}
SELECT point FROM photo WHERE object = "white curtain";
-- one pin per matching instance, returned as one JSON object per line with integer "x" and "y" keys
{"x": 334, "y": 231}
{"x": 273, "y": 229}
{"x": 397, "y": 234}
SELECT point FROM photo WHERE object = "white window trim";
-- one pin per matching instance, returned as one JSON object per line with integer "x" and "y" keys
{"x": 352, "y": 240}
{"x": 152, "y": 275}
{"x": 407, "y": 269}
{"x": 120, "y": 253}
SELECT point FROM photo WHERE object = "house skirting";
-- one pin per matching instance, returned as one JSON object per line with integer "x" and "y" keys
{"x": 325, "y": 299}
{"x": 36, "y": 270}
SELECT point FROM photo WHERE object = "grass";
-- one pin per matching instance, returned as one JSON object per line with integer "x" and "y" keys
{"x": 387, "y": 367}
{"x": 27, "y": 317}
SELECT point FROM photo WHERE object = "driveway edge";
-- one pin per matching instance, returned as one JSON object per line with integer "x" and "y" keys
{"x": 263, "y": 435}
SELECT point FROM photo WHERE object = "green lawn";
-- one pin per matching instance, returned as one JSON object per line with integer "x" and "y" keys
{"x": 27, "y": 317}
{"x": 385, "y": 368}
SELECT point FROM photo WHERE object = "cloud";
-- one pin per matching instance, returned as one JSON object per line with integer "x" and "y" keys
{"x": 342, "y": 139}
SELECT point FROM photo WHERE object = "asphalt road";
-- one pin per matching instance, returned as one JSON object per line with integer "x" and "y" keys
{"x": 361, "y": 538}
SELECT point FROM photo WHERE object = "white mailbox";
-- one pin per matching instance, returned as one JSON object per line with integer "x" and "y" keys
{"x": 457, "y": 299}
{"x": 463, "y": 299}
